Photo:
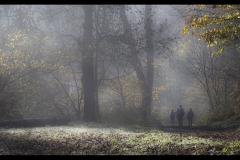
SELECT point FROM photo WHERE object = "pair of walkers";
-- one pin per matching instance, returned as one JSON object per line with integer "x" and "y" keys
{"x": 179, "y": 114}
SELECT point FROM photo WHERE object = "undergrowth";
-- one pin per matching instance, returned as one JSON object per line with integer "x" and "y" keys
{"x": 231, "y": 123}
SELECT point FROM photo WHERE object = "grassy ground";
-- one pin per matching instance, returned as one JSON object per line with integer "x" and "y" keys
{"x": 96, "y": 139}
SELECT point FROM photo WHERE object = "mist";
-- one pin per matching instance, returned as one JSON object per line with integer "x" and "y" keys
{"x": 47, "y": 45}
{"x": 103, "y": 63}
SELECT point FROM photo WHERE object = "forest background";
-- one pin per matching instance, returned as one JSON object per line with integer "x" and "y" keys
{"x": 119, "y": 63}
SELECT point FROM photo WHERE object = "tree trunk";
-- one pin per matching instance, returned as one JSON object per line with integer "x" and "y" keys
{"x": 96, "y": 65}
{"x": 150, "y": 57}
{"x": 88, "y": 66}
{"x": 136, "y": 64}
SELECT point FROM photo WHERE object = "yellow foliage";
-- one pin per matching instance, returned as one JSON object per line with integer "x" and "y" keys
{"x": 222, "y": 23}
{"x": 185, "y": 29}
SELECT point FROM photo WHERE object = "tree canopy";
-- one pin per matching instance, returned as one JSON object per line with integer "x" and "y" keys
{"x": 218, "y": 25}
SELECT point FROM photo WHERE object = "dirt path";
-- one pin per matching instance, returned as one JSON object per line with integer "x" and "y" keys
{"x": 193, "y": 128}
{"x": 205, "y": 132}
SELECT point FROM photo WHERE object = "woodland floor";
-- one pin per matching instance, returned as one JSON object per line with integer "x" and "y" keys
{"x": 94, "y": 139}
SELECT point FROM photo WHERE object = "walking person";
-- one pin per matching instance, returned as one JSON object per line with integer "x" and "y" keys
{"x": 190, "y": 116}
{"x": 172, "y": 116}
{"x": 180, "y": 114}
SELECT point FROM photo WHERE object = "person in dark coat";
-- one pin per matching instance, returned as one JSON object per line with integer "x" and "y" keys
{"x": 180, "y": 114}
{"x": 172, "y": 116}
{"x": 190, "y": 116}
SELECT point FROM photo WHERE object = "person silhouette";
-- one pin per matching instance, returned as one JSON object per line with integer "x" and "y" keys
{"x": 190, "y": 116}
{"x": 180, "y": 114}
